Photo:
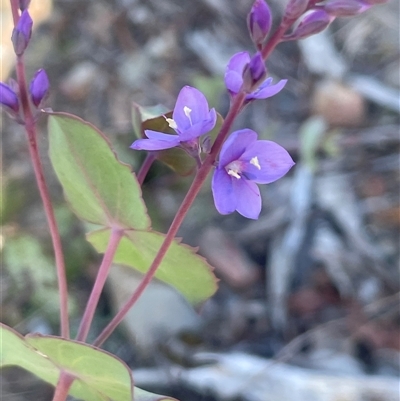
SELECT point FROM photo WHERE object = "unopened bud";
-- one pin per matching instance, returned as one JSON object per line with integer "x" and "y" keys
{"x": 259, "y": 21}
{"x": 8, "y": 98}
{"x": 254, "y": 73}
{"x": 345, "y": 8}
{"x": 295, "y": 8}
{"x": 39, "y": 87}
{"x": 22, "y": 33}
{"x": 311, "y": 23}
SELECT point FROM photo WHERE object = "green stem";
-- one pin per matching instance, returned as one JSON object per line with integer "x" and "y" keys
{"x": 63, "y": 385}
{"x": 113, "y": 242}
{"x": 30, "y": 129}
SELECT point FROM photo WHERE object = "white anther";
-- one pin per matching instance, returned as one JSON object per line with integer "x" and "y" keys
{"x": 254, "y": 161}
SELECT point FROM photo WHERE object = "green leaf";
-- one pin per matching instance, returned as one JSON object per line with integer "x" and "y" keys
{"x": 100, "y": 189}
{"x": 99, "y": 375}
{"x": 141, "y": 395}
{"x": 181, "y": 268}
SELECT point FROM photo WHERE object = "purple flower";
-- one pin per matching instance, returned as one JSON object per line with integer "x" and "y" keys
{"x": 346, "y": 8}
{"x": 234, "y": 78}
{"x": 295, "y": 8}
{"x": 39, "y": 87}
{"x": 311, "y": 23}
{"x": 8, "y": 98}
{"x": 22, "y": 33}
{"x": 259, "y": 21}
{"x": 191, "y": 118}
{"x": 244, "y": 162}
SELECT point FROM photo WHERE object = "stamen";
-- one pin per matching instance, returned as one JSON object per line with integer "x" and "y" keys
{"x": 187, "y": 112}
{"x": 171, "y": 123}
{"x": 234, "y": 173}
{"x": 254, "y": 161}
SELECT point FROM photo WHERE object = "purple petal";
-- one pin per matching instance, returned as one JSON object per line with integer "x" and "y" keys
{"x": 248, "y": 199}
{"x": 234, "y": 71}
{"x": 222, "y": 189}
{"x": 161, "y": 136}
{"x": 201, "y": 128}
{"x": 266, "y": 91}
{"x": 39, "y": 87}
{"x": 194, "y": 100}
{"x": 236, "y": 145}
{"x": 273, "y": 159}
{"x": 8, "y": 97}
{"x": 259, "y": 21}
{"x": 154, "y": 144}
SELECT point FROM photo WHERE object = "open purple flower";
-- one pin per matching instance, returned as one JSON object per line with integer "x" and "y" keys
{"x": 191, "y": 118}
{"x": 234, "y": 79}
{"x": 245, "y": 162}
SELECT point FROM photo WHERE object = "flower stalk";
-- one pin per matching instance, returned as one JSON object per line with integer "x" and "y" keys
{"x": 30, "y": 129}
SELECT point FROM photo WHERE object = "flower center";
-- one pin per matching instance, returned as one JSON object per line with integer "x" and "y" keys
{"x": 234, "y": 169}
{"x": 171, "y": 123}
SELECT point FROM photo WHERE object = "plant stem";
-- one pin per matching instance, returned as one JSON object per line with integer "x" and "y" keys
{"x": 145, "y": 167}
{"x": 202, "y": 173}
{"x": 176, "y": 223}
{"x": 113, "y": 242}
{"x": 30, "y": 129}
{"x": 63, "y": 385}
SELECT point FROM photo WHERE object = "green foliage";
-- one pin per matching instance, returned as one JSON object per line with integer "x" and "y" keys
{"x": 102, "y": 190}
{"x": 99, "y": 188}
{"x": 99, "y": 376}
{"x": 181, "y": 268}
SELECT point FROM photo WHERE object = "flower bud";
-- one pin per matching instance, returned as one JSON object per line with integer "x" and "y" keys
{"x": 22, "y": 33}
{"x": 39, "y": 87}
{"x": 8, "y": 98}
{"x": 259, "y": 21}
{"x": 311, "y": 23}
{"x": 254, "y": 73}
{"x": 295, "y": 8}
{"x": 345, "y": 8}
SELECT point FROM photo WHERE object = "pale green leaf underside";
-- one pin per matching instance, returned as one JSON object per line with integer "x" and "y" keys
{"x": 181, "y": 268}
{"x": 99, "y": 188}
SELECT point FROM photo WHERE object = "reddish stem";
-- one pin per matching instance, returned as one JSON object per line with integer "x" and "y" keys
{"x": 176, "y": 223}
{"x": 113, "y": 242}
{"x": 30, "y": 129}
{"x": 63, "y": 385}
{"x": 236, "y": 107}
{"x": 145, "y": 167}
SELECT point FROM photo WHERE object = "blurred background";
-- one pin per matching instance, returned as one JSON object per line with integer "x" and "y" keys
{"x": 308, "y": 299}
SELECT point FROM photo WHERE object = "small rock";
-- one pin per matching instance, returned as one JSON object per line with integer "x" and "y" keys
{"x": 339, "y": 105}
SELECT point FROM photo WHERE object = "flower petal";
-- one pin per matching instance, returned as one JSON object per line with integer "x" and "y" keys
{"x": 273, "y": 160}
{"x": 222, "y": 189}
{"x": 161, "y": 136}
{"x": 267, "y": 91}
{"x": 236, "y": 145}
{"x": 190, "y": 109}
{"x": 154, "y": 144}
{"x": 201, "y": 128}
{"x": 248, "y": 198}
{"x": 234, "y": 71}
